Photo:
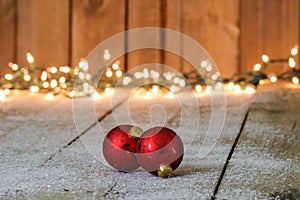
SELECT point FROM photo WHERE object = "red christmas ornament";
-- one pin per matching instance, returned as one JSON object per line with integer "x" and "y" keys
{"x": 160, "y": 151}
{"x": 119, "y": 147}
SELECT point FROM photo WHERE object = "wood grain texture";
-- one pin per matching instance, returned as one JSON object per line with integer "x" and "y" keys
{"x": 7, "y": 31}
{"x": 268, "y": 27}
{"x": 94, "y": 22}
{"x": 43, "y": 30}
{"x": 214, "y": 24}
{"x": 143, "y": 14}
{"x": 266, "y": 161}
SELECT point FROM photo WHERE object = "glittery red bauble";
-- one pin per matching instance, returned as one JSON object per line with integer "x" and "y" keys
{"x": 119, "y": 147}
{"x": 159, "y": 147}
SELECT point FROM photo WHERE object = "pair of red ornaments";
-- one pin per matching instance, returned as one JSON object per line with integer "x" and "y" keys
{"x": 158, "y": 150}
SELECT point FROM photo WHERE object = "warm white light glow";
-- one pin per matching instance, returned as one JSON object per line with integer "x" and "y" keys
{"x": 155, "y": 75}
{"x": 7, "y": 91}
{"x": 169, "y": 95}
{"x": 53, "y": 83}
{"x": 250, "y": 90}
{"x": 146, "y": 73}
{"x": 95, "y": 96}
{"x": 126, "y": 80}
{"x": 8, "y": 77}
{"x": 265, "y": 58}
{"x": 148, "y": 95}
{"x": 44, "y": 76}
{"x": 81, "y": 75}
{"x": 209, "y": 68}
{"x": 173, "y": 88}
{"x": 86, "y": 86}
{"x": 62, "y": 79}
{"x": 106, "y": 54}
{"x": 230, "y": 86}
{"x": 181, "y": 83}
{"x": 88, "y": 77}
{"x": 295, "y": 80}
{"x": 45, "y": 84}
{"x": 115, "y": 66}
{"x": 34, "y": 89}
{"x": 27, "y": 77}
{"x": 219, "y": 86}
{"x": 273, "y": 79}
{"x": 138, "y": 75}
{"x": 83, "y": 64}
{"x": 53, "y": 70}
{"x": 76, "y": 71}
{"x": 2, "y": 95}
{"x": 155, "y": 89}
{"x": 261, "y": 82}
{"x": 208, "y": 89}
{"x": 109, "y": 73}
{"x": 176, "y": 80}
{"x": 294, "y": 51}
{"x": 204, "y": 64}
{"x": 257, "y": 67}
{"x": 292, "y": 62}
{"x": 168, "y": 76}
{"x": 30, "y": 58}
{"x": 237, "y": 88}
{"x": 119, "y": 73}
{"x": 49, "y": 96}
{"x": 108, "y": 91}
{"x": 13, "y": 66}
{"x": 214, "y": 77}
{"x": 65, "y": 69}
{"x": 198, "y": 88}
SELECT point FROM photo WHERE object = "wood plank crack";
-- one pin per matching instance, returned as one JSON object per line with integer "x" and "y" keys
{"x": 230, "y": 156}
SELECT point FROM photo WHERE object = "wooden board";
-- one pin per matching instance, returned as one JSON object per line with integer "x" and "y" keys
{"x": 143, "y": 14}
{"x": 266, "y": 162}
{"x": 43, "y": 30}
{"x": 214, "y": 24}
{"x": 268, "y": 27}
{"x": 94, "y": 22}
{"x": 7, "y": 34}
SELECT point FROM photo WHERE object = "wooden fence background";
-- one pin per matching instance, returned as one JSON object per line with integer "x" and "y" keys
{"x": 234, "y": 32}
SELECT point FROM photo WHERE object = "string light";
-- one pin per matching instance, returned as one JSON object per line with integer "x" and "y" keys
{"x": 62, "y": 79}
{"x": 273, "y": 78}
{"x": 53, "y": 83}
{"x": 45, "y": 84}
{"x": 292, "y": 63}
{"x": 53, "y": 70}
{"x": 106, "y": 54}
{"x": 109, "y": 73}
{"x": 295, "y": 80}
{"x": 34, "y": 89}
{"x": 13, "y": 66}
{"x": 8, "y": 77}
{"x": 95, "y": 96}
{"x": 294, "y": 51}
{"x": 27, "y": 77}
{"x": 108, "y": 91}
{"x": 250, "y": 90}
{"x": 115, "y": 66}
{"x": 30, "y": 58}
{"x": 146, "y": 73}
{"x": 198, "y": 88}
{"x": 119, "y": 73}
{"x": 230, "y": 86}
{"x": 169, "y": 95}
{"x": 126, "y": 80}
{"x": 257, "y": 67}
{"x": 265, "y": 58}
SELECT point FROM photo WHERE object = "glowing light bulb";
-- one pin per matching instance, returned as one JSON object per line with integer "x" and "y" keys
{"x": 214, "y": 77}
{"x": 45, "y": 84}
{"x": 62, "y": 79}
{"x": 30, "y": 58}
{"x": 237, "y": 88}
{"x": 155, "y": 89}
{"x": 204, "y": 64}
{"x": 257, "y": 67}
{"x": 261, "y": 82}
{"x": 44, "y": 76}
{"x": 265, "y": 58}
{"x": 295, "y": 80}
{"x": 83, "y": 64}
{"x": 81, "y": 75}
{"x": 2, "y": 95}
{"x": 198, "y": 88}
{"x": 273, "y": 78}
{"x": 209, "y": 68}
{"x": 181, "y": 83}
{"x": 294, "y": 51}
{"x": 115, "y": 66}
{"x": 106, "y": 54}
{"x": 169, "y": 95}
{"x": 8, "y": 77}
{"x": 126, "y": 80}
{"x": 108, "y": 91}
{"x": 138, "y": 75}
{"x": 119, "y": 73}
{"x": 292, "y": 62}
{"x": 49, "y": 96}
{"x": 155, "y": 75}
{"x": 34, "y": 89}
{"x": 53, "y": 83}
{"x": 27, "y": 77}
{"x": 250, "y": 90}
{"x": 230, "y": 86}
{"x": 148, "y": 95}
{"x": 168, "y": 76}
{"x": 13, "y": 66}
{"x": 176, "y": 80}
{"x": 108, "y": 73}
{"x": 146, "y": 73}
{"x": 95, "y": 96}
{"x": 53, "y": 70}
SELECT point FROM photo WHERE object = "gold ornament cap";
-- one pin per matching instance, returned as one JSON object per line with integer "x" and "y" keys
{"x": 165, "y": 171}
{"x": 136, "y": 131}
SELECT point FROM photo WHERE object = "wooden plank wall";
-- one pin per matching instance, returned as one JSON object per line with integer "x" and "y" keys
{"x": 234, "y": 32}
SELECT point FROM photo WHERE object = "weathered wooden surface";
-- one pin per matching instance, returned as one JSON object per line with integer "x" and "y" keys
{"x": 266, "y": 162}
{"x": 264, "y": 25}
